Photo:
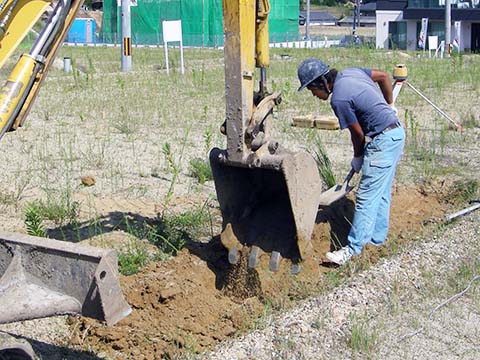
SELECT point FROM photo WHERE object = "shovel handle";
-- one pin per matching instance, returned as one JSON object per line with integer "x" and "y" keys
{"x": 350, "y": 175}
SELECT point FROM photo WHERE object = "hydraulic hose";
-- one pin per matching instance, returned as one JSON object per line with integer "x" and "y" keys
{"x": 51, "y": 29}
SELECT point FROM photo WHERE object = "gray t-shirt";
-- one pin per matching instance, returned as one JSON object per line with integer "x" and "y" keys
{"x": 356, "y": 97}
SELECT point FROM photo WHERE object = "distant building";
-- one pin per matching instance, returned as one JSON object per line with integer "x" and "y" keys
{"x": 399, "y": 23}
{"x": 364, "y": 21}
{"x": 367, "y": 16}
{"x": 320, "y": 18}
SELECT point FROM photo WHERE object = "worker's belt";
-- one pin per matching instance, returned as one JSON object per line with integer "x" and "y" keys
{"x": 391, "y": 127}
{"x": 388, "y": 128}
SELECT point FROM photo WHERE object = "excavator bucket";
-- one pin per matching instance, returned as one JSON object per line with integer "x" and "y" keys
{"x": 271, "y": 207}
{"x": 267, "y": 194}
{"x": 43, "y": 277}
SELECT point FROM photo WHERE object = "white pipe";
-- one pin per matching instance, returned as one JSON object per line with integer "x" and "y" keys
{"x": 462, "y": 212}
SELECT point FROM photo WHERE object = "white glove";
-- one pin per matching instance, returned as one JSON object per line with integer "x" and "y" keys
{"x": 394, "y": 108}
{"x": 357, "y": 163}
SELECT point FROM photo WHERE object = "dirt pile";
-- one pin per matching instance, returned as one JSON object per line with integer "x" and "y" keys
{"x": 197, "y": 299}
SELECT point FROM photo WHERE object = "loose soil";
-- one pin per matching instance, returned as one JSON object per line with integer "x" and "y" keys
{"x": 196, "y": 299}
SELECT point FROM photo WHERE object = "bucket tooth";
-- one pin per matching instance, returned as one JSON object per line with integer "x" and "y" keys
{"x": 253, "y": 257}
{"x": 295, "y": 269}
{"x": 233, "y": 256}
{"x": 274, "y": 261}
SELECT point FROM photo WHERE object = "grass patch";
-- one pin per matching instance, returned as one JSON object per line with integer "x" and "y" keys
{"x": 59, "y": 210}
{"x": 201, "y": 170}
{"x": 34, "y": 221}
{"x": 323, "y": 163}
{"x": 462, "y": 191}
{"x": 132, "y": 258}
{"x": 471, "y": 122}
{"x": 362, "y": 339}
{"x": 170, "y": 232}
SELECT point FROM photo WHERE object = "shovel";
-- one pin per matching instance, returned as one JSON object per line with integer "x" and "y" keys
{"x": 336, "y": 192}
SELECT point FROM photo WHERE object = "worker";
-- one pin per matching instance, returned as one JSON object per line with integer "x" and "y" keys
{"x": 377, "y": 136}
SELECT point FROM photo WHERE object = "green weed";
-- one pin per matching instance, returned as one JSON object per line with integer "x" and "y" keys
{"x": 173, "y": 167}
{"x": 34, "y": 221}
{"x": 362, "y": 339}
{"x": 59, "y": 210}
{"x": 123, "y": 123}
{"x": 463, "y": 191}
{"x": 174, "y": 164}
{"x": 7, "y": 199}
{"x": 201, "y": 170}
{"x": 471, "y": 122}
{"x": 177, "y": 229}
{"x": 333, "y": 279}
{"x": 170, "y": 232}
{"x": 132, "y": 258}
{"x": 323, "y": 163}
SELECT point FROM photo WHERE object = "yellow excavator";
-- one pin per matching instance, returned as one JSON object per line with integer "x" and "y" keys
{"x": 268, "y": 195}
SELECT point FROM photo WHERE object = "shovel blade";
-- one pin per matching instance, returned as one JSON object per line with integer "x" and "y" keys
{"x": 336, "y": 192}
{"x": 333, "y": 194}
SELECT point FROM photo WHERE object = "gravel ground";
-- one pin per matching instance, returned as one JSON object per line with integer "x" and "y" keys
{"x": 386, "y": 312}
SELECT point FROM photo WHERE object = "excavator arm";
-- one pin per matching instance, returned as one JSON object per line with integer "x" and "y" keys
{"x": 17, "y": 18}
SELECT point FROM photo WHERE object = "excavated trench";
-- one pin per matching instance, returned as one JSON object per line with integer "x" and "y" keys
{"x": 196, "y": 299}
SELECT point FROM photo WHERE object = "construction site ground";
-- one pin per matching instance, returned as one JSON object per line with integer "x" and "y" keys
{"x": 113, "y": 128}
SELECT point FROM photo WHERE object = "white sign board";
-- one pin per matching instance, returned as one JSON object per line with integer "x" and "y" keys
{"x": 432, "y": 42}
{"x": 172, "y": 32}
{"x": 432, "y": 45}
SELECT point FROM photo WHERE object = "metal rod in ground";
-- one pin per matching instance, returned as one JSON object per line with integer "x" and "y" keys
{"x": 462, "y": 212}
{"x": 444, "y": 114}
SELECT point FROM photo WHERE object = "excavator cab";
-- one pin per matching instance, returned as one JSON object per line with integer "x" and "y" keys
{"x": 268, "y": 195}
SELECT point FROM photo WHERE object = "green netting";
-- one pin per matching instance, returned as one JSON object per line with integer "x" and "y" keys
{"x": 201, "y": 21}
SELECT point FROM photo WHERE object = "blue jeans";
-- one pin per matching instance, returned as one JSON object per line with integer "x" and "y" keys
{"x": 372, "y": 208}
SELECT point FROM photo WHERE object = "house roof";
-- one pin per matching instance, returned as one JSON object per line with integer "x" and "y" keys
{"x": 371, "y": 6}
{"x": 363, "y": 20}
{"x": 320, "y": 16}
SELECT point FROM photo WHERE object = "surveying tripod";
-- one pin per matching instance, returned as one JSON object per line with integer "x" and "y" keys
{"x": 400, "y": 76}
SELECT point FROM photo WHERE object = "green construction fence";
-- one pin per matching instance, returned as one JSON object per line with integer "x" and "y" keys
{"x": 202, "y": 21}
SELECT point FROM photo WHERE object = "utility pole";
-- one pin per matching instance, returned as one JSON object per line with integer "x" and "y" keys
{"x": 448, "y": 22}
{"x": 356, "y": 16}
{"x": 307, "y": 22}
{"x": 126, "y": 47}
